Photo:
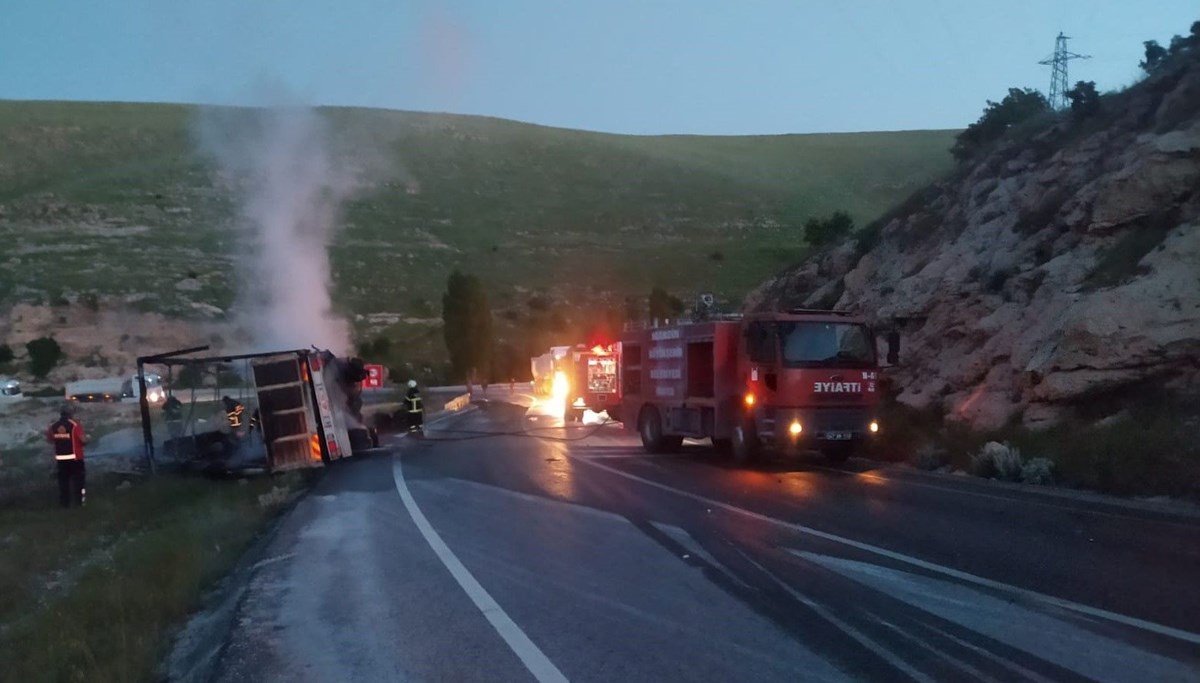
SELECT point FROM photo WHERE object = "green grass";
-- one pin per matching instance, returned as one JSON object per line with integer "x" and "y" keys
{"x": 521, "y": 205}
{"x": 91, "y": 594}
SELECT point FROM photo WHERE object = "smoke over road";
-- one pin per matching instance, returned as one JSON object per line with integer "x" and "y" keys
{"x": 289, "y": 186}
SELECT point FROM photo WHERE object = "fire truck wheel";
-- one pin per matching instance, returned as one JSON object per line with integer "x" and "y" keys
{"x": 745, "y": 446}
{"x": 650, "y": 429}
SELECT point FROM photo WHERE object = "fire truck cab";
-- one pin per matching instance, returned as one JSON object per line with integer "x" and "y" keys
{"x": 804, "y": 380}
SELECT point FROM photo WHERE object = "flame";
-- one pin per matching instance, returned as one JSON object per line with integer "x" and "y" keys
{"x": 561, "y": 387}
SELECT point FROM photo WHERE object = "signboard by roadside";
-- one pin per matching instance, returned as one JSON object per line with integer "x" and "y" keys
{"x": 375, "y": 375}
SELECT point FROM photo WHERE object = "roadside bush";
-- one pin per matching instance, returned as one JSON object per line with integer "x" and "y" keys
{"x": 930, "y": 457}
{"x": 1038, "y": 471}
{"x": 1085, "y": 100}
{"x": 823, "y": 231}
{"x": 6, "y": 354}
{"x": 1122, "y": 260}
{"x": 44, "y": 354}
{"x": 998, "y": 117}
{"x": 997, "y": 461}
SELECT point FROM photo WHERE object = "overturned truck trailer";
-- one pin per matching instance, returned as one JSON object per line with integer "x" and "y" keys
{"x": 308, "y": 405}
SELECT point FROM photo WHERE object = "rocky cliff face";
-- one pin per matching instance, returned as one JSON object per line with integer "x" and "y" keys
{"x": 1053, "y": 268}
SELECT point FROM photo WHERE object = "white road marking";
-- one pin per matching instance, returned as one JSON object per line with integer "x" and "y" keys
{"x": 860, "y": 637}
{"x": 976, "y": 674}
{"x": 272, "y": 560}
{"x": 530, "y": 655}
{"x": 693, "y": 546}
{"x": 1061, "y": 603}
{"x": 1022, "y": 673}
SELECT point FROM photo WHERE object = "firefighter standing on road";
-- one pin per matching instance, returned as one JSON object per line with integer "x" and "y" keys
{"x": 67, "y": 437}
{"x": 412, "y": 401}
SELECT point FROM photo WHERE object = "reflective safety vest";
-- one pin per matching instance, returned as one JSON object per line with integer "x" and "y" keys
{"x": 414, "y": 401}
{"x": 234, "y": 415}
{"x": 67, "y": 436}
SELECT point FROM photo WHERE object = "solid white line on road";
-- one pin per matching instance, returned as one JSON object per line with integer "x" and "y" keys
{"x": 530, "y": 655}
{"x": 1061, "y": 603}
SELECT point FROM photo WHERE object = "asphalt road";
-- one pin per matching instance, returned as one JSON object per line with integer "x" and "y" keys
{"x": 507, "y": 548}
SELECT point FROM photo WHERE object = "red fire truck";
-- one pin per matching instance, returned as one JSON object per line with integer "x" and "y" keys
{"x": 592, "y": 382}
{"x": 803, "y": 379}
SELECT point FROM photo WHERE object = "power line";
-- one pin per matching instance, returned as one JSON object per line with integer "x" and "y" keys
{"x": 1058, "y": 70}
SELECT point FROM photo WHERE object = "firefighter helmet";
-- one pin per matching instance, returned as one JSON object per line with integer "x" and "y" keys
{"x": 412, "y": 384}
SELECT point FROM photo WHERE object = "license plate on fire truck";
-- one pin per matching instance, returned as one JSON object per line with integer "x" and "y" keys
{"x": 837, "y": 436}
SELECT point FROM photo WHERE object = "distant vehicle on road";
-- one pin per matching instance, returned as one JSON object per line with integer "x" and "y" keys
{"x": 10, "y": 390}
{"x": 803, "y": 379}
{"x": 114, "y": 389}
{"x": 546, "y": 369}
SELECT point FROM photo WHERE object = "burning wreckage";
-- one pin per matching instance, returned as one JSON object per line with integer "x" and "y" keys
{"x": 280, "y": 410}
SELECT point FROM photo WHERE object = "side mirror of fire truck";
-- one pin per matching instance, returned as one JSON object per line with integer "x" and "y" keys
{"x": 893, "y": 348}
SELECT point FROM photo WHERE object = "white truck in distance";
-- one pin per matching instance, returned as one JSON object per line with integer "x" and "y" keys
{"x": 113, "y": 389}
{"x": 10, "y": 390}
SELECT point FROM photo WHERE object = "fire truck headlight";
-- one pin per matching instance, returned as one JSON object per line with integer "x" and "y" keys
{"x": 874, "y": 427}
{"x": 795, "y": 428}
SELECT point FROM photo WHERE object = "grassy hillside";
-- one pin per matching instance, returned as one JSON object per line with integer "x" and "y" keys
{"x": 112, "y": 198}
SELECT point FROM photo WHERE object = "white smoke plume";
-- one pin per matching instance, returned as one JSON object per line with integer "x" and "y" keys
{"x": 288, "y": 184}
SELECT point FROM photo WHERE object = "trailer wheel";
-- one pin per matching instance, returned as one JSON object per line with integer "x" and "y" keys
{"x": 745, "y": 445}
{"x": 723, "y": 446}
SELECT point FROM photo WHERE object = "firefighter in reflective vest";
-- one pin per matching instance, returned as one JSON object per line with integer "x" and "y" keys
{"x": 412, "y": 401}
{"x": 67, "y": 437}
{"x": 233, "y": 413}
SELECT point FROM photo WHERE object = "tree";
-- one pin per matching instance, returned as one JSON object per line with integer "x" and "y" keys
{"x": 1017, "y": 106}
{"x": 822, "y": 231}
{"x": 44, "y": 354}
{"x": 663, "y": 305}
{"x": 467, "y": 325}
{"x": 1155, "y": 54}
{"x": 1085, "y": 101}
